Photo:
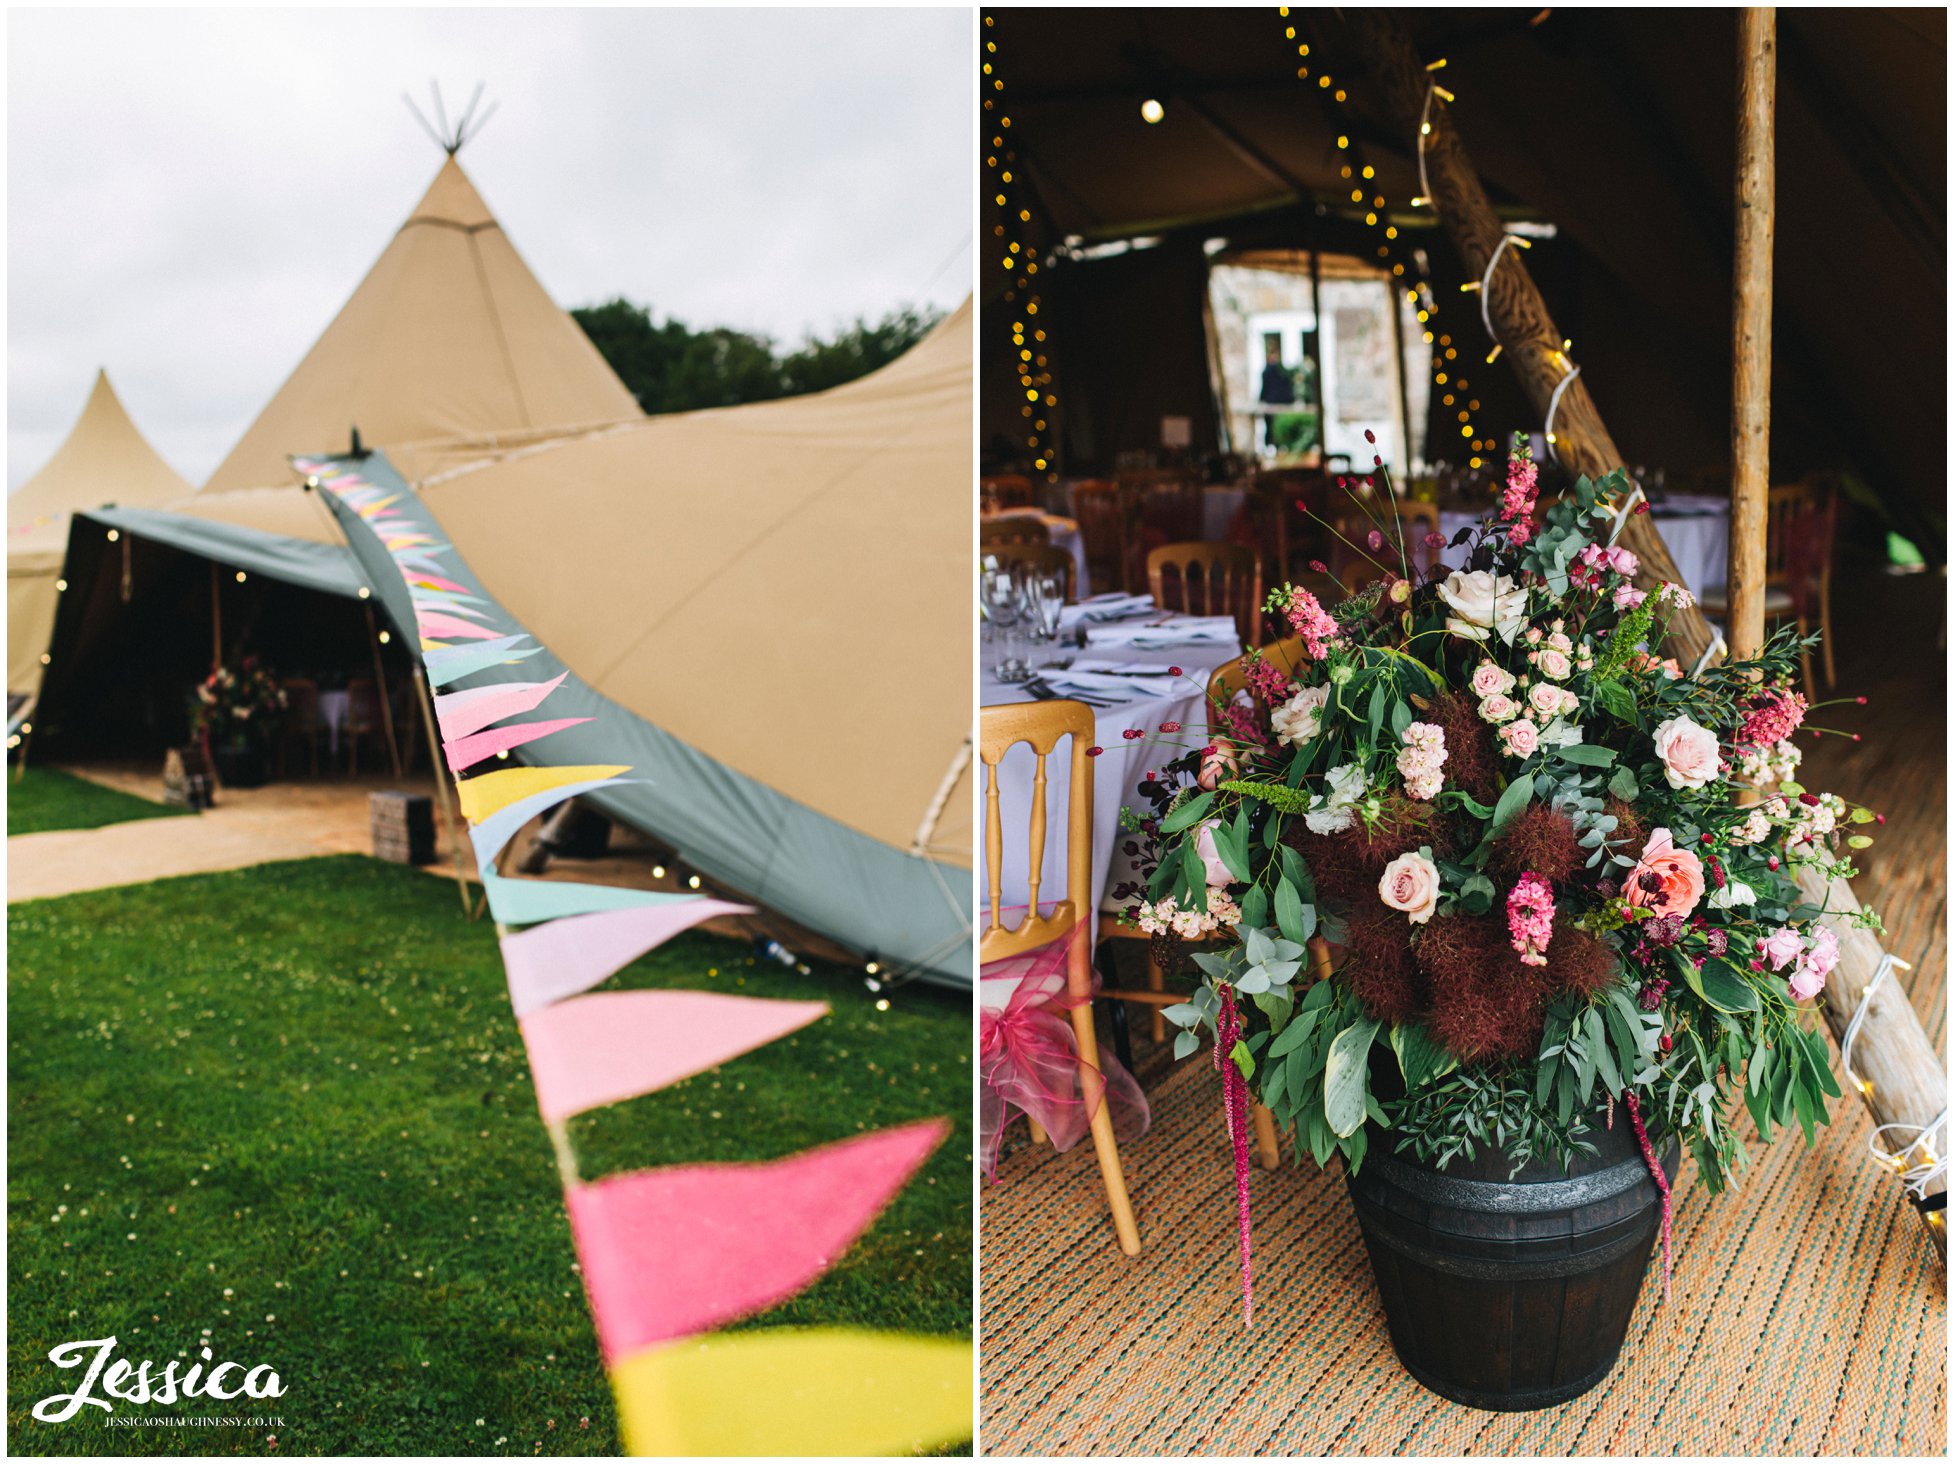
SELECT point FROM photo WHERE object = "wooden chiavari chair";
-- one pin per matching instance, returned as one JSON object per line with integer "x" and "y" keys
{"x": 1007, "y": 490}
{"x": 1039, "y": 559}
{"x": 1108, "y": 532}
{"x": 1800, "y": 529}
{"x": 1015, "y": 528}
{"x": 1042, "y": 726}
{"x": 1229, "y": 582}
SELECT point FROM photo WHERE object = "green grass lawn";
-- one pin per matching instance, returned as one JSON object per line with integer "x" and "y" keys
{"x": 46, "y": 798}
{"x": 284, "y": 1112}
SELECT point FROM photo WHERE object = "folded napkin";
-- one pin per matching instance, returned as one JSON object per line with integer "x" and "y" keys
{"x": 1102, "y": 687}
{"x": 1190, "y": 630}
{"x": 1109, "y": 666}
{"x": 1102, "y": 608}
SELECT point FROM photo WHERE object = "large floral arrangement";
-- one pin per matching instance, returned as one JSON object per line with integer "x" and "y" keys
{"x": 240, "y": 706}
{"x": 1557, "y": 870}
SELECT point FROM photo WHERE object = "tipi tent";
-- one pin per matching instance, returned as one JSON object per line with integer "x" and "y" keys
{"x": 449, "y": 340}
{"x": 770, "y": 592}
{"x": 104, "y": 460}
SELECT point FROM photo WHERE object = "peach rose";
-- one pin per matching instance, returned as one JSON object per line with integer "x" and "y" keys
{"x": 1688, "y": 753}
{"x": 1410, "y": 884}
{"x": 1223, "y": 763}
{"x": 1668, "y": 880}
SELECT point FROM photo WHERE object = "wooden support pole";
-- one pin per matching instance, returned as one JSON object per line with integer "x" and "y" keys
{"x": 1904, "y": 1082}
{"x": 1750, "y": 373}
{"x": 216, "y": 618}
{"x": 1530, "y": 341}
{"x": 442, "y": 792}
{"x": 380, "y": 685}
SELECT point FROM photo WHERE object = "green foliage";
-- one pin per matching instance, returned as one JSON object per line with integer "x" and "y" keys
{"x": 669, "y": 367}
{"x": 296, "y": 1092}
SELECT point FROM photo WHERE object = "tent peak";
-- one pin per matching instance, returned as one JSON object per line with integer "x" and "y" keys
{"x": 466, "y": 128}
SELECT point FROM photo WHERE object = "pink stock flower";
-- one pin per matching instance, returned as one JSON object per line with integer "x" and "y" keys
{"x": 1266, "y": 683}
{"x": 1774, "y": 714}
{"x": 1530, "y": 918}
{"x": 1311, "y": 621}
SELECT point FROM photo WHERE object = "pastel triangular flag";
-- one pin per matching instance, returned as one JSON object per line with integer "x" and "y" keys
{"x": 498, "y": 828}
{"x": 446, "y": 666}
{"x": 446, "y": 600}
{"x": 462, "y": 712}
{"x": 613, "y": 1045}
{"x": 818, "y": 1390}
{"x": 674, "y": 1252}
{"x": 565, "y": 957}
{"x": 434, "y": 582}
{"x": 528, "y": 901}
{"x": 482, "y": 796}
{"x": 439, "y": 625}
{"x": 465, "y": 752}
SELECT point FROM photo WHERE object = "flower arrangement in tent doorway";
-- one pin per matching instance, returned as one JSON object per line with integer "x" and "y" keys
{"x": 1536, "y": 868}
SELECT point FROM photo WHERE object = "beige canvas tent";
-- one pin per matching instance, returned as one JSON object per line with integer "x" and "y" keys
{"x": 448, "y": 340}
{"x": 104, "y": 460}
{"x": 776, "y": 593}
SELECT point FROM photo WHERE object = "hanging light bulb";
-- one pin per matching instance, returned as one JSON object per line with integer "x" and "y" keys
{"x": 1151, "y": 111}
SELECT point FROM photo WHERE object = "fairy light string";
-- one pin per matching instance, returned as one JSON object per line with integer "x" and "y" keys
{"x": 1452, "y": 390}
{"x": 1919, "y": 1163}
{"x": 1029, "y": 344}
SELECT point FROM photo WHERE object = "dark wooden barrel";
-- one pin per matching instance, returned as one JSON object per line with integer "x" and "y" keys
{"x": 1510, "y": 1293}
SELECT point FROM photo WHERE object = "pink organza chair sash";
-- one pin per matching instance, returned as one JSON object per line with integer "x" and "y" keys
{"x": 1029, "y": 1055}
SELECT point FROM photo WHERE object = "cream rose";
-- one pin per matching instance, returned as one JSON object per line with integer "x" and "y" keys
{"x": 1499, "y": 707}
{"x": 1491, "y": 680}
{"x": 1410, "y": 884}
{"x": 1482, "y": 603}
{"x": 1544, "y": 698}
{"x": 1300, "y": 718}
{"x": 1688, "y": 753}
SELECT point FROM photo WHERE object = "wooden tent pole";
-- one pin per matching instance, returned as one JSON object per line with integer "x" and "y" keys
{"x": 1530, "y": 340}
{"x": 216, "y": 619}
{"x": 1906, "y": 1081}
{"x": 441, "y": 790}
{"x": 1750, "y": 376}
{"x": 380, "y": 681}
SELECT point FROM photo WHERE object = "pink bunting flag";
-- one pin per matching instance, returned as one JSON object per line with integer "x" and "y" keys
{"x": 563, "y": 957}
{"x": 462, "y": 712}
{"x": 438, "y": 625}
{"x": 674, "y": 1252}
{"x": 614, "y": 1045}
{"x": 465, "y": 752}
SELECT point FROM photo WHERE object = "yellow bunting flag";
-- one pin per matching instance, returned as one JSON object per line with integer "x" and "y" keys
{"x": 795, "y": 1392}
{"x": 483, "y": 796}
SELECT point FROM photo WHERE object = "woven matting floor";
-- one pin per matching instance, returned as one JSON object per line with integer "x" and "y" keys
{"x": 1808, "y": 1315}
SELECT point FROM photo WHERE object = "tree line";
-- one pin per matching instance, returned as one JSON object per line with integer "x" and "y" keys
{"x": 670, "y": 367}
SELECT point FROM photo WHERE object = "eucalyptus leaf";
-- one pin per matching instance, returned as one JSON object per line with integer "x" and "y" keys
{"x": 1346, "y": 1077}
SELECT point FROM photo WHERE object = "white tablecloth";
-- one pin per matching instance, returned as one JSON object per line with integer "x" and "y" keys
{"x": 332, "y": 711}
{"x": 1697, "y": 531}
{"x": 1117, "y": 772}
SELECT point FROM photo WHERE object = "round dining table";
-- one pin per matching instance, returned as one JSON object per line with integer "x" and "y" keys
{"x": 1117, "y": 772}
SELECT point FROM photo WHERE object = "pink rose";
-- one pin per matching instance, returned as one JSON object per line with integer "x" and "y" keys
{"x": 1210, "y": 856}
{"x": 1781, "y": 947}
{"x": 1627, "y": 597}
{"x": 1224, "y": 762}
{"x": 1555, "y": 664}
{"x": 1410, "y": 884}
{"x": 1545, "y": 699}
{"x": 1668, "y": 880}
{"x": 1499, "y": 708}
{"x": 1688, "y": 752}
{"x": 1521, "y": 738}
{"x": 1490, "y": 680}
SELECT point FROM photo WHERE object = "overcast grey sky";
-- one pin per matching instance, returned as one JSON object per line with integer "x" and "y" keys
{"x": 192, "y": 195}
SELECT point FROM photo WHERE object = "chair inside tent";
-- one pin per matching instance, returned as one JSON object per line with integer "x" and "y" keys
{"x": 756, "y": 594}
